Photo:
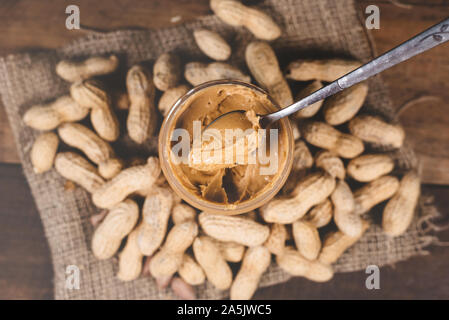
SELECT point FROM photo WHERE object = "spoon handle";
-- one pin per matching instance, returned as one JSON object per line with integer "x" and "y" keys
{"x": 424, "y": 41}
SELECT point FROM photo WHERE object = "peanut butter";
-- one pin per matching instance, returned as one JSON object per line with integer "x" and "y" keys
{"x": 240, "y": 179}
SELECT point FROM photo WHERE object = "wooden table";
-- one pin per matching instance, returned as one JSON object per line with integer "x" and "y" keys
{"x": 25, "y": 265}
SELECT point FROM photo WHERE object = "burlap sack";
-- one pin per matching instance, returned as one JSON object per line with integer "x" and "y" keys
{"x": 311, "y": 28}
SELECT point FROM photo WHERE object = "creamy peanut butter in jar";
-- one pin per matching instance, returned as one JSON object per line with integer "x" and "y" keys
{"x": 229, "y": 170}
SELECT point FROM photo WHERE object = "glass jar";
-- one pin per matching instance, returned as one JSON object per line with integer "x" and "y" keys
{"x": 165, "y": 143}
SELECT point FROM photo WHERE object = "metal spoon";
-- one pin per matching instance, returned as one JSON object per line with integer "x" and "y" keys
{"x": 424, "y": 41}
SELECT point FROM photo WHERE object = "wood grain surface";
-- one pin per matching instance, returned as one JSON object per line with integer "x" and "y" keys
{"x": 25, "y": 263}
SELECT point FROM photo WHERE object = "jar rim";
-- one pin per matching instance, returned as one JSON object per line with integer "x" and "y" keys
{"x": 209, "y": 206}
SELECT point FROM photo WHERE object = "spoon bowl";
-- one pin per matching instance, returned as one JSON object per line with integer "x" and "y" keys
{"x": 235, "y": 119}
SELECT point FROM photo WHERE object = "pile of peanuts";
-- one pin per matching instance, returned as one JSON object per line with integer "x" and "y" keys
{"x": 156, "y": 234}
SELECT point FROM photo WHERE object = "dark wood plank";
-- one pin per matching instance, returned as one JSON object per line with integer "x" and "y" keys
{"x": 25, "y": 265}
{"x": 42, "y": 23}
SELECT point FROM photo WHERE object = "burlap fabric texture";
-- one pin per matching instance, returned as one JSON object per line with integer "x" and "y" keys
{"x": 311, "y": 28}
